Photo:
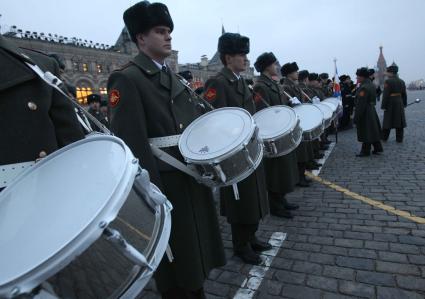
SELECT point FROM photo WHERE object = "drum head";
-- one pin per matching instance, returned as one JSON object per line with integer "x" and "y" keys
{"x": 310, "y": 116}
{"x": 54, "y": 210}
{"x": 326, "y": 110}
{"x": 216, "y": 133}
{"x": 275, "y": 121}
{"x": 330, "y": 105}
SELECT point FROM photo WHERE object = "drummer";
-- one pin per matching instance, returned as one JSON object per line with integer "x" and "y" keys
{"x": 229, "y": 89}
{"x": 282, "y": 172}
{"x": 305, "y": 154}
{"x": 147, "y": 100}
{"x": 35, "y": 119}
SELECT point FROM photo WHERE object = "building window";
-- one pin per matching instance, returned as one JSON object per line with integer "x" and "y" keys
{"x": 99, "y": 68}
{"x": 82, "y": 93}
{"x": 85, "y": 67}
{"x": 103, "y": 90}
{"x": 75, "y": 66}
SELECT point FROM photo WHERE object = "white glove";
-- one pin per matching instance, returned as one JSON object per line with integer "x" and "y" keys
{"x": 294, "y": 101}
{"x": 315, "y": 100}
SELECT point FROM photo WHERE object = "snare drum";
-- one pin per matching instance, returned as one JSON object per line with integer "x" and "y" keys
{"x": 84, "y": 222}
{"x": 311, "y": 121}
{"x": 279, "y": 128}
{"x": 222, "y": 146}
{"x": 327, "y": 113}
{"x": 337, "y": 105}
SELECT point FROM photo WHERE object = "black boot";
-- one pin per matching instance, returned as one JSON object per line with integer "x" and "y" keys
{"x": 303, "y": 182}
{"x": 289, "y": 206}
{"x": 247, "y": 255}
{"x": 259, "y": 246}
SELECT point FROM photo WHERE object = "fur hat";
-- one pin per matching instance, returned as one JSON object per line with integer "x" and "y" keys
{"x": 313, "y": 77}
{"x": 288, "y": 68}
{"x": 92, "y": 98}
{"x": 187, "y": 75}
{"x": 264, "y": 60}
{"x": 233, "y": 43}
{"x": 393, "y": 68}
{"x": 363, "y": 72}
{"x": 143, "y": 16}
{"x": 303, "y": 75}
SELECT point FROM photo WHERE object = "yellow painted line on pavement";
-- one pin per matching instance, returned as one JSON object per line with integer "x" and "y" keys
{"x": 367, "y": 200}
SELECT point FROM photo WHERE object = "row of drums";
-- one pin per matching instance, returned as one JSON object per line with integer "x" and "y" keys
{"x": 72, "y": 227}
{"x": 226, "y": 145}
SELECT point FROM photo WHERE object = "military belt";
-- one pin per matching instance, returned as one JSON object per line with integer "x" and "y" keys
{"x": 166, "y": 141}
{"x": 10, "y": 171}
{"x": 395, "y": 94}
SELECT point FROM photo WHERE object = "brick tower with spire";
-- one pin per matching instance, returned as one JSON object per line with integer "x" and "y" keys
{"x": 382, "y": 67}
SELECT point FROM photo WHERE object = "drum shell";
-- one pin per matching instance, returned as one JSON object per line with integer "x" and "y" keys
{"x": 102, "y": 271}
{"x": 235, "y": 166}
{"x": 313, "y": 134}
{"x": 284, "y": 144}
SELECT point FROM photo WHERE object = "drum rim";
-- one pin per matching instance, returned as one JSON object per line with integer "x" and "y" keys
{"x": 225, "y": 155}
{"x": 290, "y": 130}
{"x": 316, "y": 127}
{"x": 62, "y": 257}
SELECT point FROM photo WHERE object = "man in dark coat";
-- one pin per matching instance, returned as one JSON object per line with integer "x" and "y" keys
{"x": 95, "y": 101}
{"x": 229, "y": 89}
{"x": 303, "y": 85}
{"x": 365, "y": 117}
{"x": 147, "y": 100}
{"x": 394, "y": 101}
{"x": 282, "y": 172}
{"x": 347, "y": 102}
{"x": 305, "y": 153}
{"x": 314, "y": 85}
{"x": 35, "y": 119}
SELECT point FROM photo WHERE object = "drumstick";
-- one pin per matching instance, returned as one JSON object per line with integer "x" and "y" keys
{"x": 257, "y": 94}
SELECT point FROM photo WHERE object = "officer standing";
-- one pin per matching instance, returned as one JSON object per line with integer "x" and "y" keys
{"x": 95, "y": 103}
{"x": 365, "y": 117}
{"x": 282, "y": 172}
{"x": 35, "y": 119}
{"x": 148, "y": 101}
{"x": 394, "y": 101}
{"x": 229, "y": 89}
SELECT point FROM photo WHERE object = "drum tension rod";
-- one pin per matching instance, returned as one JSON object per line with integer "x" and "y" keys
{"x": 115, "y": 237}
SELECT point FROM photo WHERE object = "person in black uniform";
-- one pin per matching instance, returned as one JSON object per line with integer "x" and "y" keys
{"x": 147, "y": 101}
{"x": 394, "y": 101}
{"x": 229, "y": 89}
{"x": 94, "y": 100}
{"x": 35, "y": 119}
{"x": 365, "y": 117}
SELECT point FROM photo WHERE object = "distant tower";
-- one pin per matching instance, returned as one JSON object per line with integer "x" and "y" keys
{"x": 382, "y": 67}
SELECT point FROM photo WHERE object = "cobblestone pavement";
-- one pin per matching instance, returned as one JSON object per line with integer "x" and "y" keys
{"x": 340, "y": 247}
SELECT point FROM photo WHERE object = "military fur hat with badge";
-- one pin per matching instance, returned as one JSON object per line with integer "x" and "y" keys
{"x": 144, "y": 15}
{"x": 393, "y": 68}
{"x": 263, "y": 61}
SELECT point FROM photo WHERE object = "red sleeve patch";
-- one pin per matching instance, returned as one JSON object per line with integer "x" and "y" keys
{"x": 114, "y": 97}
{"x": 362, "y": 93}
{"x": 210, "y": 94}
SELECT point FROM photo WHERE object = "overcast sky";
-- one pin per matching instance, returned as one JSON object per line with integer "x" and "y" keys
{"x": 312, "y": 33}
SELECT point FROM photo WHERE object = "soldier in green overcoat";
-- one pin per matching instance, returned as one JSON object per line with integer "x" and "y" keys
{"x": 282, "y": 172}
{"x": 229, "y": 89}
{"x": 394, "y": 101}
{"x": 147, "y": 100}
{"x": 365, "y": 117}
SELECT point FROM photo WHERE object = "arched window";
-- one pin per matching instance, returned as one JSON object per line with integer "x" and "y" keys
{"x": 82, "y": 93}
